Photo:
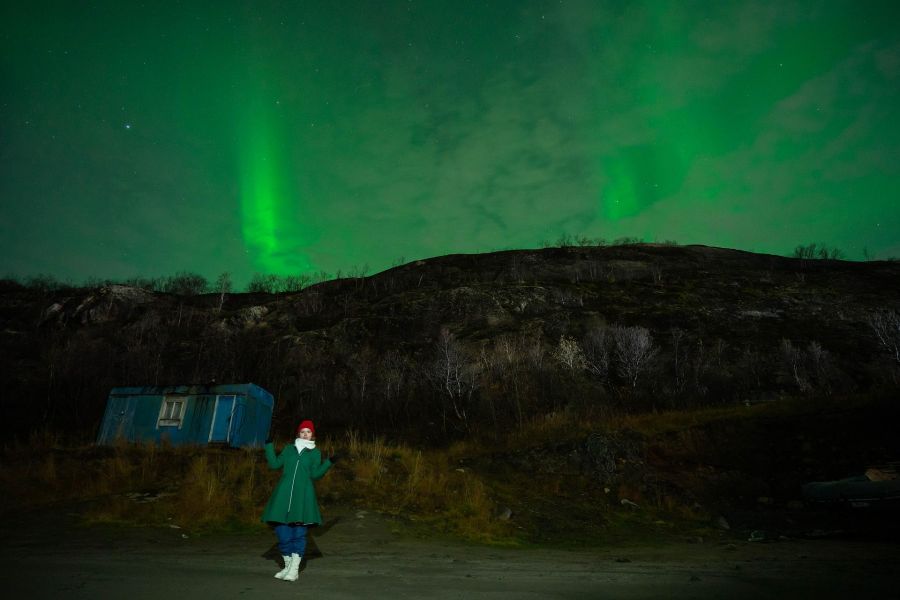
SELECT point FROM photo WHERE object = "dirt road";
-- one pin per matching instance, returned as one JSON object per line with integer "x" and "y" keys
{"x": 361, "y": 557}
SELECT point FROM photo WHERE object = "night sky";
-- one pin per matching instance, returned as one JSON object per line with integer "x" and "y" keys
{"x": 295, "y": 137}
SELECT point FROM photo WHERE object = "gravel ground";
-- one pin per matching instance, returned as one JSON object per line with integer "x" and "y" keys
{"x": 361, "y": 556}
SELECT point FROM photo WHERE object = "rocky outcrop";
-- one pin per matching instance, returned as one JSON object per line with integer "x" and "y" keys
{"x": 109, "y": 303}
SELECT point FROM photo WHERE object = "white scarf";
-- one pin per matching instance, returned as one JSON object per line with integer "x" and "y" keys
{"x": 304, "y": 444}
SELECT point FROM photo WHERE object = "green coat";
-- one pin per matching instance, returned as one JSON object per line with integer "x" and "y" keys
{"x": 294, "y": 498}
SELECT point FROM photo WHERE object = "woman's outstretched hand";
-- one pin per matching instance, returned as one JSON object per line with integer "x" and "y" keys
{"x": 334, "y": 458}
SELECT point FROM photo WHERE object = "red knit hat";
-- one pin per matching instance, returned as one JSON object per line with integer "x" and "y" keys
{"x": 307, "y": 424}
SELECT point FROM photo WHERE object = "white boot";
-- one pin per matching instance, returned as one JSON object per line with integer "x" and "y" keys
{"x": 287, "y": 567}
{"x": 294, "y": 572}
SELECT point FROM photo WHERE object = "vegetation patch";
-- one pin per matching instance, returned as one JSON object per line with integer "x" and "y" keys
{"x": 562, "y": 480}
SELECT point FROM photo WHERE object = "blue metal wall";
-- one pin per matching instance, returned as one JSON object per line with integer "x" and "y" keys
{"x": 237, "y": 415}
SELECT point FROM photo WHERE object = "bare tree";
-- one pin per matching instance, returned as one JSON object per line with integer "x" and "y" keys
{"x": 393, "y": 369}
{"x": 818, "y": 251}
{"x": 454, "y": 376}
{"x": 505, "y": 368}
{"x": 362, "y": 368}
{"x": 886, "y": 325}
{"x": 569, "y": 354}
{"x": 185, "y": 284}
{"x": 819, "y": 365}
{"x": 792, "y": 360}
{"x": 223, "y": 286}
{"x": 634, "y": 351}
{"x": 312, "y": 302}
{"x": 293, "y": 283}
{"x": 679, "y": 366}
{"x": 596, "y": 345}
{"x": 534, "y": 351}
{"x": 700, "y": 365}
{"x": 262, "y": 283}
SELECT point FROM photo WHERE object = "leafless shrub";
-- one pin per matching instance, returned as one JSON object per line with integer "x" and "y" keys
{"x": 587, "y": 241}
{"x": 597, "y": 352}
{"x": 569, "y": 354}
{"x": 564, "y": 240}
{"x": 44, "y": 283}
{"x": 626, "y": 241}
{"x": 817, "y": 251}
{"x": 394, "y": 370}
{"x": 886, "y": 325}
{"x": 358, "y": 272}
{"x": 508, "y": 376}
{"x": 294, "y": 283}
{"x": 634, "y": 351}
{"x": 819, "y": 365}
{"x": 262, "y": 283}
{"x": 679, "y": 362}
{"x": 718, "y": 352}
{"x": 810, "y": 368}
{"x": 363, "y": 369}
{"x": 454, "y": 377}
{"x": 699, "y": 367}
{"x": 792, "y": 361}
{"x": 151, "y": 284}
{"x": 185, "y": 284}
{"x": 750, "y": 372}
{"x": 223, "y": 287}
{"x": 534, "y": 352}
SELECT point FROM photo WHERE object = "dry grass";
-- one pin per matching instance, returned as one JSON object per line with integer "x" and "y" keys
{"x": 459, "y": 490}
{"x": 425, "y": 486}
{"x": 555, "y": 426}
{"x": 197, "y": 488}
{"x": 569, "y": 425}
{"x": 191, "y": 487}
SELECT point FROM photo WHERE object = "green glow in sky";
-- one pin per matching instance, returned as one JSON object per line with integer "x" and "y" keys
{"x": 262, "y": 193}
{"x": 298, "y": 137}
{"x": 268, "y": 224}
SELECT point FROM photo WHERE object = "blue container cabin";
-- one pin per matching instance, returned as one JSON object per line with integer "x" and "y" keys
{"x": 235, "y": 415}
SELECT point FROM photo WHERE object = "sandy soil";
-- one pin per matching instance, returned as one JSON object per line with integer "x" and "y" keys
{"x": 361, "y": 556}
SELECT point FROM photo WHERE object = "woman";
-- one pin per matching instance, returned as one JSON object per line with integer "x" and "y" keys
{"x": 292, "y": 509}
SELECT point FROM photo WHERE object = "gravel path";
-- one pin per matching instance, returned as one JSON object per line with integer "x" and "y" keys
{"x": 361, "y": 557}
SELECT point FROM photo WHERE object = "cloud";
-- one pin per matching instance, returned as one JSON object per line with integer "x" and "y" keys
{"x": 821, "y": 167}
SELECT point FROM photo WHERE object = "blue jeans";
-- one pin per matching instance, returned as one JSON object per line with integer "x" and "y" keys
{"x": 291, "y": 538}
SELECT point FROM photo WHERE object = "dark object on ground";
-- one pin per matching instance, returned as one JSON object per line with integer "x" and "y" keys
{"x": 876, "y": 485}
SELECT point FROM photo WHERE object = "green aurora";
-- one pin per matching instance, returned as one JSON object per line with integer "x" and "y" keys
{"x": 297, "y": 137}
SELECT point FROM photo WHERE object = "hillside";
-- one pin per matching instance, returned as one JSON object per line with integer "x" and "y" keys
{"x": 652, "y": 390}
{"x": 465, "y": 344}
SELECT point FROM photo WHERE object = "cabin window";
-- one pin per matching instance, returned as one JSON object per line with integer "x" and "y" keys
{"x": 171, "y": 412}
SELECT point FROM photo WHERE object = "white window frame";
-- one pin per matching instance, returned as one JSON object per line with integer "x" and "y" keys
{"x": 167, "y": 416}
